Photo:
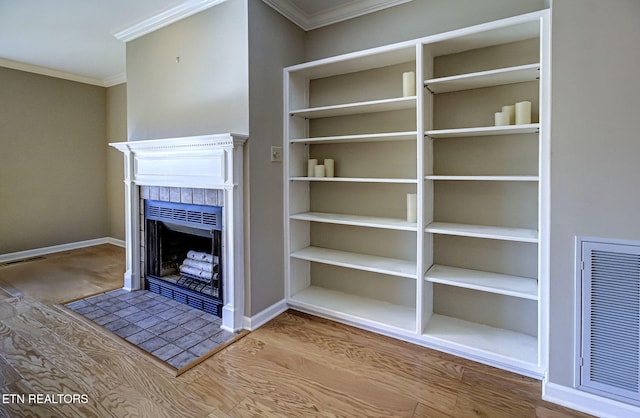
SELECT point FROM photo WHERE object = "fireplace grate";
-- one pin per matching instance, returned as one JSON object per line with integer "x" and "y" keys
{"x": 185, "y": 296}
{"x": 196, "y": 216}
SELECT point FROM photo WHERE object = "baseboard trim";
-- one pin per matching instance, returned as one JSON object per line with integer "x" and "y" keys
{"x": 587, "y": 402}
{"x": 256, "y": 321}
{"x": 36, "y": 252}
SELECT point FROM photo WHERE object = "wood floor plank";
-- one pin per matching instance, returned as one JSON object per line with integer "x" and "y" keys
{"x": 423, "y": 411}
{"x": 419, "y": 380}
{"x": 213, "y": 391}
{"x": 292, "y": 391}
{"x": 339, "y": 380}
{"x": 362, "y": 344}
{"x": 8, "y": 373}
{"x": 296, "y": 365}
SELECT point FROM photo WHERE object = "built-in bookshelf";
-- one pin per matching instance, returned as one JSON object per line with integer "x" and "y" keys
{"x": 463, "y": 271}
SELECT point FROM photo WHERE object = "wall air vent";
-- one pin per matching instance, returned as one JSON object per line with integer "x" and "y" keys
{"x": 194, "y": 216}
{"x": 611, "y": 320}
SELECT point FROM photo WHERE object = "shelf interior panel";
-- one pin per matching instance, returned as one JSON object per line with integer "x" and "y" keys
{"x": 467, "y": 335}
{"x": 369, "y": 311}
{"x": 502, "y": 76}
{"x": 484, "y": 231}
{"x": 509, "y": 285}
{"x": 356, "y": 220}
{"x": 384, "y": 265}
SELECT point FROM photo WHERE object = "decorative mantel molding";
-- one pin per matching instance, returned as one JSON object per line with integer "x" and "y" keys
{"x": 206, "y": 161}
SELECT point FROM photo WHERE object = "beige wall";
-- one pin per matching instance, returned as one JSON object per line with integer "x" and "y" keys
{"x": 410, "y": 20}
{"x": 116, "y": 132}
{"x": 229, "y": 79}
{"x": 595, "y": 150}
{"x": 206, "y": 92}
{"x": 52, "y": 166}
{"x": 274, "y": 43}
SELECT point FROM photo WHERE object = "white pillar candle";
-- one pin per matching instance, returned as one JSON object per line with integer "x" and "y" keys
{"x": 501, "y": 119}
{"x": 412, "y": 207}
{"x": 311, "y": 167}
{"x": 523, "y": 113}
{"x": 409, "y": 84}
{"x": 329, "y": 164}
{"x": 511, "y": 112}
{"x": 319, "y": 170}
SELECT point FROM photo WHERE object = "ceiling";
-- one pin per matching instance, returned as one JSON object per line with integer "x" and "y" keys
{"x": 84, "y": 40}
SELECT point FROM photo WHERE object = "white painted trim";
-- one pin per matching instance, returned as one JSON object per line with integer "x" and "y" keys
{"x": 36, "y": 69}
{"x": 330, "y": 16}
{"x": 36, "y": 252}
{"x": 165, "y": 18}
{"x": 256, "y": 321}
{"x": 587, "y": 402}
{"x": 116, "y": 242}
{"x": 114, "y": 80}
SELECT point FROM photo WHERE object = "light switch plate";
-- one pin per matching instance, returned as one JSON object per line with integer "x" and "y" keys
{"x": 276, "y": 154}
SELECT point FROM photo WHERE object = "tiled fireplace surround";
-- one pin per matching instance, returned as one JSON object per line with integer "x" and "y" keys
{"x": 205, "y": 169}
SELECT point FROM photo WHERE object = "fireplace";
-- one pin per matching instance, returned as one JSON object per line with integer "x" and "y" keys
{"x": 183, "y": 253}
{"x": 168, "y": 173}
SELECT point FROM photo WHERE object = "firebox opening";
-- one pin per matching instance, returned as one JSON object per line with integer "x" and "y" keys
{"x": 184, "y": 253}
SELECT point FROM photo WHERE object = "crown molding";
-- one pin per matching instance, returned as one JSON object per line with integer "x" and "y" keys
{"x": 352, "y": 9}
{"x": 165, "y": 18}
{"x": 36, "y": 69}
{"x": 114, "y": 80}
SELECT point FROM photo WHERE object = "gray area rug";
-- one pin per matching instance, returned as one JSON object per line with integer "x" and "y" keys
{"x": 172, "y": 332}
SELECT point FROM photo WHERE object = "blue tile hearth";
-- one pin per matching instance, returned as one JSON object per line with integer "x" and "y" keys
{"x": 168, "y": 330}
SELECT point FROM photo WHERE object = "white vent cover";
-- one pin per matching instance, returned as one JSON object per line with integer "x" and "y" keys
{"x": 611, "y": 320}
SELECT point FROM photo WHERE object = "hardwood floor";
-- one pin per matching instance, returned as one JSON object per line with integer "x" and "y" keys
{"x": 294, "y": 366}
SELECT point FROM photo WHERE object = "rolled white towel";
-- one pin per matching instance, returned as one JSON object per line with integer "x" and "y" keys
{"x": 200, "y": 256}
{"x": 201, "y": 265}
{"x": 200, "y": 274}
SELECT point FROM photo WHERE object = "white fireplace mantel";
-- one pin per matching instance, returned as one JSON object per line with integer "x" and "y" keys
{"x": 208, "y": 162}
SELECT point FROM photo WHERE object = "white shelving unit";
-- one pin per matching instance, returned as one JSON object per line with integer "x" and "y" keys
{"x": 469, "y": 276}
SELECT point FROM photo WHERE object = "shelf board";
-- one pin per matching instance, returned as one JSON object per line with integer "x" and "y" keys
{"x": 376, "y": 264}
{"x": 484, "y": 131}
{"x": 356, "y": 180}
{"x": 484, "y": 231}
{"x": 373, "y": 106}
{"x": 490, "y": 78}
{"x": 484, "y": 178}
{"x": 356, "y": 220}
{"x": 379, "y": 137}
{"x": 465, "y": 335}
{"x": 503, "y": 284}
{"x": 355, "y": 308}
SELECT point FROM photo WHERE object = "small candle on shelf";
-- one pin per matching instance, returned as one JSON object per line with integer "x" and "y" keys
{"x": 523, "y": 113}
{"x": 319, "y": 170}
{"x": 412, "y": 207}
{"x": 329, "y": 165}
{"x": 311, "y": 164}
{"x": 511, "y": 112}
{"x": 501, "y": 119}
{"x": 409, "y": 84}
